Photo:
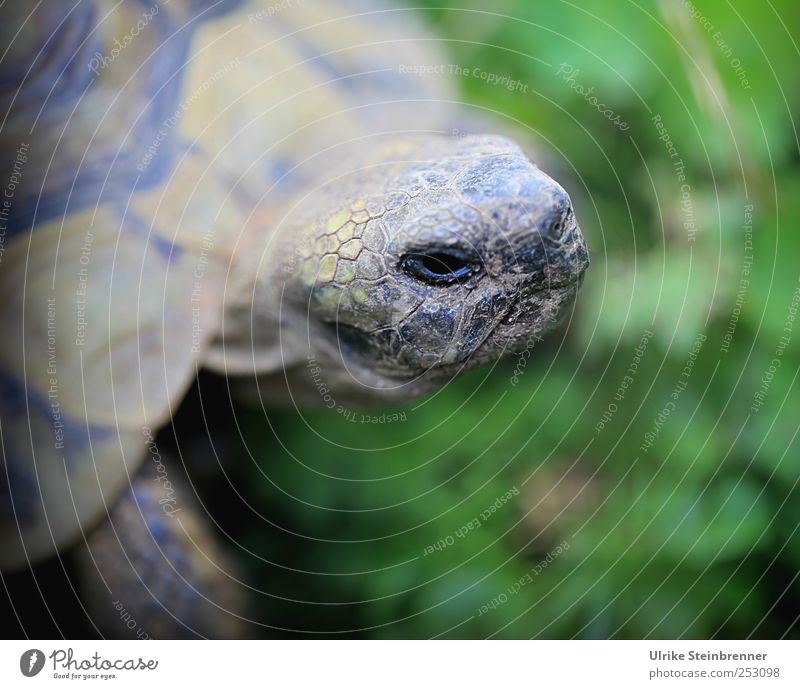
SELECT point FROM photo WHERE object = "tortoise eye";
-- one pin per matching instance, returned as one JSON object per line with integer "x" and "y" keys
{"x": 439, "y": 267}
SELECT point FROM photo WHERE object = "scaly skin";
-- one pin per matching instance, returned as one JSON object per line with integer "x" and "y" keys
{"x": 451, "y": 253}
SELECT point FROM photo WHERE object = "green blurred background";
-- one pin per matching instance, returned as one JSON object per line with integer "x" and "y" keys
{"x": 694, "y": 536}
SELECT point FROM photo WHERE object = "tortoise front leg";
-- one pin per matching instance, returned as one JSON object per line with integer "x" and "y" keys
{"x": 153, "y": 569}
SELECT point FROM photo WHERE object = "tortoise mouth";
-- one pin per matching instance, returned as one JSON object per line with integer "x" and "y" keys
{"x": 373, "y": 355}
{"x": 370, "y": 358}
{"x": 364, "y": 354}
{"x": 536, "y": 291}
{"x": 373, "y": 358}
{"x": 527, "y": 320}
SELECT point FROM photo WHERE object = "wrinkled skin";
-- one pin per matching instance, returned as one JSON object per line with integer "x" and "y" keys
{"x": 450, "y": 253}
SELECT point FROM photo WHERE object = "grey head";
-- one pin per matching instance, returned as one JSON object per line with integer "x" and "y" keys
{"x": 429, "y": 258}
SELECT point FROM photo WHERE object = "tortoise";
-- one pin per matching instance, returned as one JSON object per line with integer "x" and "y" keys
{"x": 242, "y": 188}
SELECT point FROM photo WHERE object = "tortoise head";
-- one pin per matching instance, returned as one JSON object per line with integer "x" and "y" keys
{"x": 431, "y": 259}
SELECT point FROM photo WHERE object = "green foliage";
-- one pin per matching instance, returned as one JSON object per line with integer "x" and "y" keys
{"x": 694, "y": 536}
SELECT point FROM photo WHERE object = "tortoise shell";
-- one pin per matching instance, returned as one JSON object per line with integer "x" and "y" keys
{"x": 148, "y": 148}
